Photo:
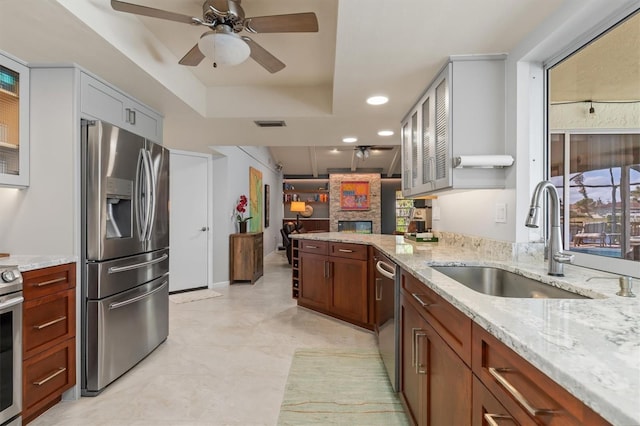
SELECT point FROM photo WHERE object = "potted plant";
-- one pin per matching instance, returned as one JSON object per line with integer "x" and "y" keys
{"x": 241, "y": 208}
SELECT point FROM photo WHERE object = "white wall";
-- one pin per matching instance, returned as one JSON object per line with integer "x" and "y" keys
{"x": 41, "y": 219}
{"x": 230, "y": 180}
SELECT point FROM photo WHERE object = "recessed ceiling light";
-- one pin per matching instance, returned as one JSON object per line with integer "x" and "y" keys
{"x": 377, "y": 100}
{"x": 385, "y": 133}
{"x": 334, "y": 151}
{"x": 349, "y": 139}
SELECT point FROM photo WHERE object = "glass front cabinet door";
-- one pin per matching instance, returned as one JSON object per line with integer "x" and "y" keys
{"x": 14, "y": 123}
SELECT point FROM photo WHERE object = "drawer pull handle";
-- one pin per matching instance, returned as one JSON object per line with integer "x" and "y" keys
{"x": 51, "y": 376}
{"x": 50, "y": 323}
{"x": 312, "y": 247}
{"x": 515, "y": 393}
{"x": 137, "y": 298}
{"x": 345, "y": 251}
{"x": 116, "y": 269}
{"x": 419, "y": 369}
{"x": 413, "y": 345}
{"x": 44, "y": 283}
{"x": 491, "y": 418}
{"x": 421, "y": 302}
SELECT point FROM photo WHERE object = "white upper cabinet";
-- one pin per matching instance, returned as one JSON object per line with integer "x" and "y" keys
{"x": 461, "y": 113}
{"x": 106, "y": 103}
{"x": 14, "y": 123}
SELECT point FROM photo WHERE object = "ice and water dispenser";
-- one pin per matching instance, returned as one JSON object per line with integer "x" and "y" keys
{"x": 119, "y": 208}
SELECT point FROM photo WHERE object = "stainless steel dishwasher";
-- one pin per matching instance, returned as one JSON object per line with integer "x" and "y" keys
{"x": 386, "y": 324}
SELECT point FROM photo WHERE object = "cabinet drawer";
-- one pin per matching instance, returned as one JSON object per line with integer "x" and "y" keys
{"x": 310, "y": 246}
{"x": 486, "y": 407}
{"x": 46, "y": 281}
{"x": 351, "y": 251}
{"x": 528, "y": 394}
{"x": 48, "y": 320}
{"x": 47, "y": 375}
{"x": 452, "y": 325}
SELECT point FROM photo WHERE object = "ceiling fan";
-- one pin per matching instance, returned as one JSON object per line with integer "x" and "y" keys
{"x": 225, "y": 19}
{"x": 363, "y": 151}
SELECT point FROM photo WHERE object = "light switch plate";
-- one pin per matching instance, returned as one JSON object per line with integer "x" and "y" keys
{"x": 501, "y": 213}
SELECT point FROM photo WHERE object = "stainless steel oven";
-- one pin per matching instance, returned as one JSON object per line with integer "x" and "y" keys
{"x": 10, "y": 345}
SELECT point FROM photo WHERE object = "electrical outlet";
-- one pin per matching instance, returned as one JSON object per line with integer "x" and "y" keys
{"x": 501, "y": 213}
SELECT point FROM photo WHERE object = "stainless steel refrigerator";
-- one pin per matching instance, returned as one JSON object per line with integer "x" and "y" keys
{"x": 125, "y": 251}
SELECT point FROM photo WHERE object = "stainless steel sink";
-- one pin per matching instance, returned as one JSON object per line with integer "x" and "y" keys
{"x": 498, "y": 282}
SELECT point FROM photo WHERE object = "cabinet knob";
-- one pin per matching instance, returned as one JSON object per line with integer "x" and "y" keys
{"x": 204, "y": 228}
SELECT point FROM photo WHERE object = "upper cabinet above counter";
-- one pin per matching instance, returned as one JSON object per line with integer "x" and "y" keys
{"x": 14, "y": 122}
{"x": 109, "y": 104}
{"x": 462, "y": 113}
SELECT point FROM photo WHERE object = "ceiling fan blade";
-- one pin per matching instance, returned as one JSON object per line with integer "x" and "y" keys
{"x": 291, "y": 23}
{"x": 263, "y": 57}
{"x": 121, "y": 6}
{"x": 193, "y": 57}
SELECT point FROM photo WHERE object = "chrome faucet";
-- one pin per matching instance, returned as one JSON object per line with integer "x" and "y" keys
{"x": 557, "y": 257}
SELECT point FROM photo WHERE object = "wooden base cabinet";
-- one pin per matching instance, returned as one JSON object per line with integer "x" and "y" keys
{"x": 48, "y": 332}
{"x": 333, "y": 280}
{"x": 525, "y": 394}
{"x": 435, "y": 383}
{"x": 246, "y": 257}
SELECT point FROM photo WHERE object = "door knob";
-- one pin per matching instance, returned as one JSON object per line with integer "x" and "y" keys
{"x": 204, "y": 228}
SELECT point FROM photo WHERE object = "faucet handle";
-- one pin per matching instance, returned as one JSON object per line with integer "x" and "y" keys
{"x": 563, "y": 257}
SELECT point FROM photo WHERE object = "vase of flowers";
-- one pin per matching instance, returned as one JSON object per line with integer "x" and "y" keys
{"x": 241, "y": 208}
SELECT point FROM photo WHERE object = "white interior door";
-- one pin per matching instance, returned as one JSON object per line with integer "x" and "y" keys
{"x": 189, "y": 223}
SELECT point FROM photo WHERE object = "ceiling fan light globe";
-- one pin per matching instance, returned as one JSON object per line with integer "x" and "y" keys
{"x": 224, "y": 47}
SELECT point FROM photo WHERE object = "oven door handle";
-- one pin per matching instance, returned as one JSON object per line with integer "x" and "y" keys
{"x": 12, "y": 301}
{"x": 386, "y": 270}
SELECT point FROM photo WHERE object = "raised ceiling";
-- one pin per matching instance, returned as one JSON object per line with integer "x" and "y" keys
{"x": 364, "y": 47}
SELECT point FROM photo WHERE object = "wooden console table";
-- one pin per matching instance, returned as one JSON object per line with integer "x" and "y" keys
{"x": 245, "y": 257}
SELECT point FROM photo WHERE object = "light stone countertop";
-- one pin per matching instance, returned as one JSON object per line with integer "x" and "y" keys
{"x": 29, "y": 262}
{"x": 589, "y": 347}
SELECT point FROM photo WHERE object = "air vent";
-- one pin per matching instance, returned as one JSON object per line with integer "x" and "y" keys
{"x": 270, "y": 123}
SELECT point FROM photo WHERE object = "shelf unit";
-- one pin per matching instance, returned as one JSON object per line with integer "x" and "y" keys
{"x": 295, "y": 269}
{"x": 403, "y": 212}
{"x": 314, "y": 192}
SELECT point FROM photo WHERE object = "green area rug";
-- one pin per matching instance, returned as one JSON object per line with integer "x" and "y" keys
{"x": 335, "y": 387}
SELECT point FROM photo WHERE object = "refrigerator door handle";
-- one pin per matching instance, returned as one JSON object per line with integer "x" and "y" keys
{"x": 137, "y": 298}
{"x": 137, "y": 198}
{"x": 151, "y": 210}
{"x": 116, "y": 269}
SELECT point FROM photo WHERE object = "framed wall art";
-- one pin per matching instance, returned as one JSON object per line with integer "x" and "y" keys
{"x": 267, "y": 200}
{"x": 354, "y": 196}
{"x": 255, "y": 200}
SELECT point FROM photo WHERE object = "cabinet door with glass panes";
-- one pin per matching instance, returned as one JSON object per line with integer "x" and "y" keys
{"x": 14, "y": 122}
{"x": 403, "y": 213}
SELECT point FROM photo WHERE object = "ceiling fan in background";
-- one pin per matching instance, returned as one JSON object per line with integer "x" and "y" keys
{"x": 363, "y": 151}
{"x": 225, "y": 19}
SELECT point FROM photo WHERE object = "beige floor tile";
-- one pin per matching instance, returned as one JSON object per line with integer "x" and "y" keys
{"x": 226, "y": 360}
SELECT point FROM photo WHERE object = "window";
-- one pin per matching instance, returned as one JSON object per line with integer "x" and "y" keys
{"x": 594, "y": 148}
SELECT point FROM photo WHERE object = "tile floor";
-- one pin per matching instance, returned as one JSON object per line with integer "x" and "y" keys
{"x": 225, "y": 362}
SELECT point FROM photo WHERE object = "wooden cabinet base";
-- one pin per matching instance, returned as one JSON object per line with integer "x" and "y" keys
{"x": 246, "y": 254}
{"x": 48, "y": 335}
{"x": 45, "y": 377}
{"x": 333, "y": 280}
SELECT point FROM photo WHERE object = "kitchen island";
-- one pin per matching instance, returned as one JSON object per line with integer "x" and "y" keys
{"x": 590, "y": 347}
